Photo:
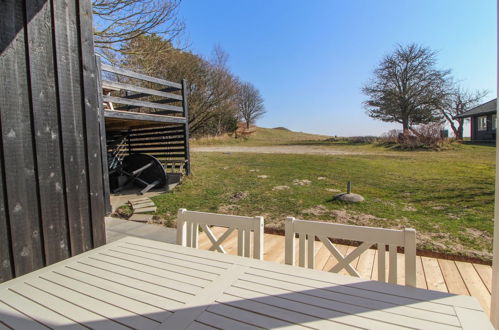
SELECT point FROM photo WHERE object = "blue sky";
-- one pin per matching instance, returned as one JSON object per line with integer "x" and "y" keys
{"x": 310, "y": 58}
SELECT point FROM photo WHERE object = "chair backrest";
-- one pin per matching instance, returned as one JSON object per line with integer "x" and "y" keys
{"x": 189, "y": 223}
{"x": 308, "y": 230}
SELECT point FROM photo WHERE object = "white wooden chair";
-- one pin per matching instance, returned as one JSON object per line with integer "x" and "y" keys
{"x": 308, "y": 230}
{"x": 189, "y": 222}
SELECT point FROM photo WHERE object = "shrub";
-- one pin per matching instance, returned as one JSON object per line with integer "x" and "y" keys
{"x": 427, "y": 136}
{"x": 353, "y": 139}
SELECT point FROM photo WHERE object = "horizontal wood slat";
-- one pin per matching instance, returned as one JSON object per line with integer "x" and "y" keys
{"x": 143, "y": 90}
{"x": 153, "y": 144}
{"x": 363, "y": 234}
{"x": 131, "y": 74}
{"x": 148, "y": 136}
{"x": 138, "y": 103}
{"x": 156, "y": 130}
{"x": 142, "y": 116}
{"x": 162, "y": 150}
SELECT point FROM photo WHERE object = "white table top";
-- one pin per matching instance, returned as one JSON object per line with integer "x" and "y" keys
{"x": 143, "y": 284}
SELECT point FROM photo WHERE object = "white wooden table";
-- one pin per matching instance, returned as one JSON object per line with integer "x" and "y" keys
{"x": 143, "y": 284}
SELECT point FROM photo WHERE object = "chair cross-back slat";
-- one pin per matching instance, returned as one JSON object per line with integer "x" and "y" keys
{"x": 368, "y": 236}
{"x": 189, "y": 223}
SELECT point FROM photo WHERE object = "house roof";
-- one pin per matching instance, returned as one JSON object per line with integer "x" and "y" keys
{"x": 482, "y": 109}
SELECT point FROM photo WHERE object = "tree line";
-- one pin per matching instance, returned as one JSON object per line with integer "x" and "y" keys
{"x": 408, "y": 88}
{"x": 146, "y": 36}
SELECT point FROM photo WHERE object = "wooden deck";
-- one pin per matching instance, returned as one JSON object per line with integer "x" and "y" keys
{"x": 434, "y": 274}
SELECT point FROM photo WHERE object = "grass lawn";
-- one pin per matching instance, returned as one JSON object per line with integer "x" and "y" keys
{"x": 446, "y": 196}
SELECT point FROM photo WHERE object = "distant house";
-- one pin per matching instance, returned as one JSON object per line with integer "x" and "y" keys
{"x": 483, "y": 121}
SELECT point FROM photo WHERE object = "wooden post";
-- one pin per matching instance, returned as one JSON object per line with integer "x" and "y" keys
{"x": 258, "y": 237}
{"x": 289, "y": 252}
{"x": 103, "y": 142}
{"x": 494, "y": 308}
{"x": 181, "y": 227}
{"x": 410, "y": 256}
{"x": 349, "y": 187}
{"x": 185, "y": 106}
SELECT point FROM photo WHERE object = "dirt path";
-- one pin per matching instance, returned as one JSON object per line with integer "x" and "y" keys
{"x": 293, "y": 149}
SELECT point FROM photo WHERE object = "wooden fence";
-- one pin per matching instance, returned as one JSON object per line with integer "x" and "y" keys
{"x": 146, "y": 115}
{"x": 51, "y": 178}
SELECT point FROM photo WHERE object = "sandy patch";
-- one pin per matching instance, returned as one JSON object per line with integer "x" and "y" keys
{"x": 409, "y": 208}
{"x": 263, "y": 176}
{"x": 278, "y": 188}
{"x": 227, "y": 208}
{"x": 333, "y": 190}
{"x": 303, "y": 182}
{"x": 477, "y": 233}
{"x": 321, "y": 178}
{"x": 316, "y": 210}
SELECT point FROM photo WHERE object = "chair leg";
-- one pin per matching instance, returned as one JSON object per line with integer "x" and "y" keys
{"x": 149, "y": 187}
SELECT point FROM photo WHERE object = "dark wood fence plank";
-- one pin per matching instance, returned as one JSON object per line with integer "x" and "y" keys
{"x": 103, "y": 145}
{"x": 15, "y": 117}
{"x": 91, "y": 107}
{"x": 72, "y": 128}
{"x": 46, "y": 128}
{"x": 6, "y": 262}
{"x": 51, "y": 171}
{"x": 185, "y": 106}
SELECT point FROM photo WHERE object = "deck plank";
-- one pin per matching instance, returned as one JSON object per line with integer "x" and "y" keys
{"x": 434, "y": 278}
{"x": 274, "y": 248}
{"x": 452, "y": 277}
{"x": 420, "y": 277}
{"x": 485, "y": 273}
{"x": 366, "y": 263}
{"x": 474, "y": 284}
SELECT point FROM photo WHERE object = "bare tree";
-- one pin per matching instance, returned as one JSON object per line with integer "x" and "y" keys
{"x": 407, "y": 88}
{"x": 212, "y": 88}
{"x": 250, "y": 103}
{"x": 459, "y": 101}
{"x": 118, "y": 21}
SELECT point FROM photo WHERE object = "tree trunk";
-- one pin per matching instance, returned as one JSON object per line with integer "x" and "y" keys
{"x": 405, "y": 126}
{"x": 460, "y": 129}
{"x": 455, "y": 130}
{"x": 247, "y": 124}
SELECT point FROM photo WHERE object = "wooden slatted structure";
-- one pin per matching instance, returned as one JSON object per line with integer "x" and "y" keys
{"x": 431, "y": 273}
{"x": 135, "y": 283}
{"x": 308, "y": 231}
{"x": 249, "y": 229}
{"x": 52, "y": 199}
{"x": 148, "y": 115}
